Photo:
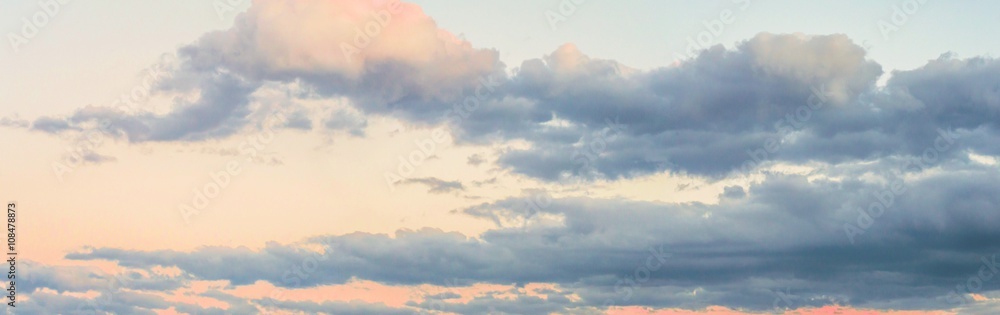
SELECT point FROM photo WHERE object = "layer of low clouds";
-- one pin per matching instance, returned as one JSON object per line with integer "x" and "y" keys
{"x": 786, "y": 233}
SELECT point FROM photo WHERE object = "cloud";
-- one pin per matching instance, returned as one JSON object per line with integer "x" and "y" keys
{"x": 124, "y": 303}
{"x": 733, "y": 192}
{"x": 349, "y": 121}
{"x": 50, "y": 125}
{"x": 437, "y": 186}
{"x": 299, "y": 120}
{"x": 774, "y": 98}
{"x": 409, "y": 68}
{"x": 55, "y": 289}
{"x": 700, "y": 117}
{"x": 221, "y": 109}
{"x": 519, "y": 304}
{"x": 787, "y": 233}
{"x": 14, "y": 121}
{"x": 476, "y": 160}
{"x": 96, "y": 158}
{"x": 337, "y": 307}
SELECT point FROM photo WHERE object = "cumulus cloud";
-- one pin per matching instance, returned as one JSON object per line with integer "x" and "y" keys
{"x": 388, "y": 57}
{"x": 773, "y": 98}
{"x": 700, "y": 117}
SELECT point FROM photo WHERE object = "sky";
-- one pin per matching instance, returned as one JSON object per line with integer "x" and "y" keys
{"x": 502, "y": 157}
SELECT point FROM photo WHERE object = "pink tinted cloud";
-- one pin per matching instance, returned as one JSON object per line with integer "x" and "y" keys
{"x": 342, "y": 37}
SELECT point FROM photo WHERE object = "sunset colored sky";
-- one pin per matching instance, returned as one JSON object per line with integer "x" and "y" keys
{"x": 502, "y": 157}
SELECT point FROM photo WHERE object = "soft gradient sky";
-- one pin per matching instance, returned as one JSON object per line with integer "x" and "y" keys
{"x": 455, "y": 235}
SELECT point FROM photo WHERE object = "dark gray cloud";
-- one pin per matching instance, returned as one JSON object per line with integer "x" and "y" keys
{"x": 786, "y": 233}
{"x": 733, "y": 192}
{"x": 774, "y": 98}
